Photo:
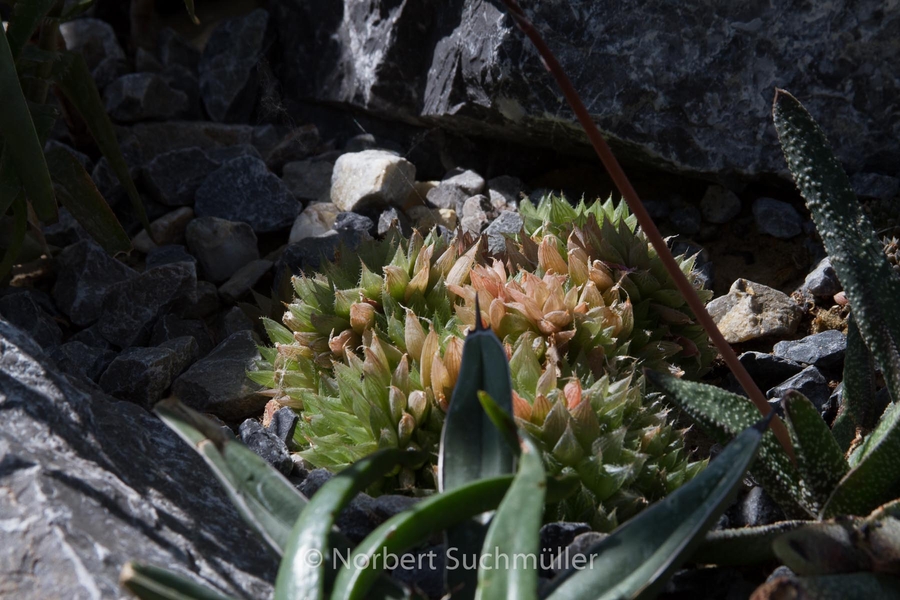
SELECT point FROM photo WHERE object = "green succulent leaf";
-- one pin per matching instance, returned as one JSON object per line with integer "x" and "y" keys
{"x": 637, "y": 558}
{"x": 742, "y": 546}
{"x": 856, "y": 253}
{"x": 857, "y": 398}
{"x": 820, "y": 549}
{"x": 153, "y": 583}
{"x": 833, "y": 587}
{"x": 514, "y": 533}
{"x": 74, "y": 78}
{"x": 723, "y": 415}
{"x": 820, "y": 461}
{"x": 78, "y": 193}
{"x": 502, "y": 420}
{"x": 298, "y": 575}
{"x": 21, "y": 139}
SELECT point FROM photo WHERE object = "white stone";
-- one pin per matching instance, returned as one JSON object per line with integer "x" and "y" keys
{"x": 371, "y": 178}
{"x": 752, "y": 310}
{"x": 315, "y": 220}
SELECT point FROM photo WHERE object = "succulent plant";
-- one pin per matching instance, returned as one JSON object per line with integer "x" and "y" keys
{"x": 372, "y": 348}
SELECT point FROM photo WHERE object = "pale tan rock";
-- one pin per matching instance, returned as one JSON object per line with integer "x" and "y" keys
{"x": 316, "y": 219}
{"x": 168, "y": 229}
{"x": 371, "y": 178}
{"x": 752, "y": 310}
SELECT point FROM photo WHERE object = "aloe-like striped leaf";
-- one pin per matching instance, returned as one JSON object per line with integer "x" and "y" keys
{"x": 153, "y": 583}
{"x": 820, "y": 461}
{"x": 471, "y": 447}
{"x": 306, "y": 561}
{"x": 26, "y": 19}
{"x": 856, "y": 253}
{"x": 75, "y": 80}
{"x": 84, "y": 201}
{"x": 514, "y": 533}
{"x": 723, "y": 415}
{"x": 636, "y": 559}
{"x": 21, "y": 139}
{"x": 857, "y": 412}
{"x": 742, "y": 546}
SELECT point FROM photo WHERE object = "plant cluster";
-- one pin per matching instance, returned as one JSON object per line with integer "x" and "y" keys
{"x": 371, "y": 351}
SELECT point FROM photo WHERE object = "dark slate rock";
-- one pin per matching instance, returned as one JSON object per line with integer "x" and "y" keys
{"x": 233, "y": 320}
{"x": 393, "y": 217}
{"x": 315, "y": 480}
{"x": 83, "y": 159}
{"x": 242, "y": 189}
{"x": 172, "y": 327}
{"x": 509, "y": 187}
{"x": 824, "y": 350}
{"x": 308, "y": 253}
{"x": 465, "y": 179}
{"x": 91, "y": 337}
{"x": 142, "y": 96}
{"x": 283, "y": 423}
{"x": 299, "y": 143}
{"x": 354, "y": 223}
{"x": 80, "y": 360}
{"x": 145, "y": 62}
{"x": 66, "y": 231}
{"x": 447, "y": 195}
{"x": 85, "y": 273}
{"x": 186, "y": 350}
{"x": 386, "y": 506}
{"x": 172, "y": 178}
{"x": 776, "y": 218}
{"x": 105, "y": 178}
{"x": 424, "y": 570}
{"x": 506, "y": 224}
{"x": 575, "y": 554}
{"x": 155, "y": 138}
{"x": 555, "y": 537}
{"x": 93, "y": 38}
{"x": 875, "y": 185}
{"x": 810, "y": 382}
{"x": 199, "y": 302}
{"x": 309, "y": 180}
{"x": 222, "y": 155}
{"x": 767, "y": 370}
{"x": 475, "y": 213}
{"x": 23, "y": 309}
{"x": 244, "y": 280}
{"x": 108, "y": 71}
{"x": 822, "y": 281}
{"x": 165, "y": 255}
{"x": 704, "y": 271}
{"x": 130, "y": 308}
{"x": 686, "y": 219}
{"x": 758, "y": 509}
{"x": 140, "y": 375}
{"x": 228, "y": 71}
{"x": 267, "y": 445}
{"x": 719, "y": 204}
{"x": 360, "y": 143}
{"x": 182, "y": 80}
{"x": 175, "y": 50}
{"x": 218, "y": 383}
{"x": 119, "y": 485}
{"x": 221, "y": 246}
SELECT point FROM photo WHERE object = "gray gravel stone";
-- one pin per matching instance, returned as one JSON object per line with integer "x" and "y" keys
{"x": 283, "y": 424}
{"x": 131, "y": 307}
{"x": 142, "y": 96}
{"x": 26, "y": 310}
{"x": 388, "y": 505}
{"x": 221, "y": 246}
{"x": 686, "y": 219}
{"x": 875, "y": 185}
{"x": 145, "y": 62}
{"x": 776, "y": 218}
{"x": 172, "y": 178}
{"x": 719, "y": 204}
{"x": 218, "y": 383}
{"x": 391, "y": 217}
{"x": 164, "y": 255}
{"x": 767, "y": 370}
{"x": 315, "y": 220}
{"x": 267, "y": 445}
{"x": 298, "y": 144}
{"x": 66, "y": 231}
{"x": 447, "y": 196}
{"x": 228, "y": 67}
{"x": 475, "y": 214}
{"x": 509, "y": 187}
{"x": 80, "y": 360}
{"x": 172, "y": 327}
{"x": 758, "y": 509}
{"x": 167, "y": 229}
{"x": 233, "y": 320}
{"x": 185, "y": 81}
{"x": 309, "y": 180}
{"x": 175, "y": 50}
{"x": 810, "y": 382}
{"x": 85, "y": 272}
{"x": 467, "y": 180}
{"x": 354, "y": 223}
{"x": 822, "y": 282}
{"x": 824, "y": 350}
{"x": 141, "y": 375}
{"x": 244, "y": 279}
{"x": 752, "y": 310}
{"x": 93, "y": 38}
{"x": 90, "y": 483}
{"x": 242, "y": 189}
{"x": 199, "y": 303}
{"x": 315, "y": 480}
{"x": 371, "y": 178}
{"x": 555, "y": 537}
{"x": 506, "y": 224}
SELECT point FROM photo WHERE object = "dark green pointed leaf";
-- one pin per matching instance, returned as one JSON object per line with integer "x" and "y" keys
{"x": 308, "y": 556}
{"x": 857, "y": 412}
{"x": 75, "y": 80}
{"x": 636, "y": 559}
{"x": 501, "y": 420}
{"x": 153, "y": 583}
{"x": 79, "y": 194}
{"x": 514, "y": 533}
{"x": 189, "y": 5}
{"x": 723, "y": 415}
{"x": 856, "y": 253}
{"x": 20, "y": 215}
{"x": 742, "y": 546}
{"x": 21, "y": 139}
{"x": 820, "y": 461}
{"x": 27, "y": 18}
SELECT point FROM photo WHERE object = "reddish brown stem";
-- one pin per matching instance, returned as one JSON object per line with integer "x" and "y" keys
{"x": 637, "y": 208}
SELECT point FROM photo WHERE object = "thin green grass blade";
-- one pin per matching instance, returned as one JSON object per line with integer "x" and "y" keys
{"x": 27, "y": 17}
{"x": 820, "y": 461}
{"x": 84, "y": 201}
{"x": 856, "y": 253}
{"x": 857, "y": 412}
{"x": 21, "y": 139}
{"x": 514, "y": 534}
{"x": 75, "y": 80}
{"x": 723, "y": 415}
{"x": 153, "y": 583}
{"x": 636, "y": 559}
{"x": 308, "y": 557}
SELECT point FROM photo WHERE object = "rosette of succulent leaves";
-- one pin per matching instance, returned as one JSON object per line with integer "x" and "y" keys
{"x": 370, "y": 349}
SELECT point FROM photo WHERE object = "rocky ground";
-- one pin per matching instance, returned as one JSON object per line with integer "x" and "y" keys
{"x": 241, "y": 195}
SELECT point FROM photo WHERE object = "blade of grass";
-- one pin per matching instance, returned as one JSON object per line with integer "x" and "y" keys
{"x": 153, "y": 583}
